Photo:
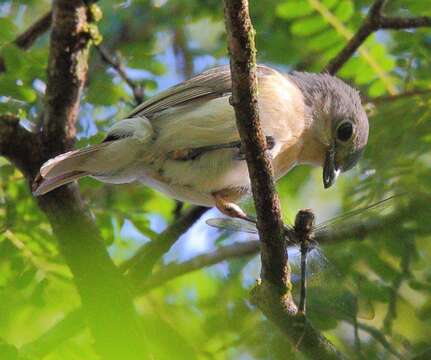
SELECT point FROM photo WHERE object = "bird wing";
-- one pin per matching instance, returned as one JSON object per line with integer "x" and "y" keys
{"x": 213, "y": 83}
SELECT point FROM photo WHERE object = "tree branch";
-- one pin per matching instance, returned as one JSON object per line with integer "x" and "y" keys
{"x": 244, "y": 100}
{"x": 26, "y": 39}
{"x": 380, "y": 337}
{"x": 389, "y": 98}
{"x": 69, "y": 326}
{"x": 373, "y": 22}
{"x": 116, "y": 64}
{"x": 63, "y": 330}
{"x": 141, "y": 264}
{"x": 67, "y": 72}
{"x": 17, "y": 144}
{"x": 174, "y": 270}
{"x": 272, "y": 294}
{"x": 74, "y": 321}
{"x": 400, "y": 23}
{"x": 105, "y": 295}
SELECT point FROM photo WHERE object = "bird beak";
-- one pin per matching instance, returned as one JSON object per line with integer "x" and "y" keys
{"x": 330, "y": 169}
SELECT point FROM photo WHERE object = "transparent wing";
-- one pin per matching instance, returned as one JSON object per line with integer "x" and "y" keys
{"x": 329, "y": 295}
{"x": 377, "y": 206}
{"x": 230, "y": 224}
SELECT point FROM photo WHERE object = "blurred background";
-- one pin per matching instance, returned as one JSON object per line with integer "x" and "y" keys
{"x": 372, "y": 300}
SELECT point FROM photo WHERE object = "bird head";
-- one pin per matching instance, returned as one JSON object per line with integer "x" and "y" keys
{"x": 339, "y": 120}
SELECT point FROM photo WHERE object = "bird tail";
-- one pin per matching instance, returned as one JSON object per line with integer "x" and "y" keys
{"x": 120, "y": 148}
{"x": 73, "y": 165}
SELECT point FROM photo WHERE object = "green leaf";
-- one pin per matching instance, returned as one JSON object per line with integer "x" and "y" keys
{"x": 308, "y": 26}
{"x": 16, "y": 89}
{"x": 7, "y": 30}
{"x": 293, "y": 9}
{"x": 103, "y": 91}
{"x": 344, "y": 10}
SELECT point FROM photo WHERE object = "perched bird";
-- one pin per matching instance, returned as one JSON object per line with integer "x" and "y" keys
{"x": 184, "y": 141}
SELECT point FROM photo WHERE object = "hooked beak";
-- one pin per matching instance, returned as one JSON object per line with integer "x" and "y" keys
{"x": 330, "y": 169}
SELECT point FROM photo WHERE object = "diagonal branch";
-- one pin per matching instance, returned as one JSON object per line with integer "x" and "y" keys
{"x": 74, "y": 321}
{"x": 26, "y": 39}
{"x": 117, "y": 65}
{"x": 141, "y": 264}
{"x": 405, "y": 95}
{"x": 373, "y": 22}
{"x": 174, "y": 270}
{"x": 344, "y": 31}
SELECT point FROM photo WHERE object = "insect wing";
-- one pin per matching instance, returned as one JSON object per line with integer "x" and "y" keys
{"x": 330, "y": 297}
{"x": 342, "y": 220}
{"x": 237, "y": 225}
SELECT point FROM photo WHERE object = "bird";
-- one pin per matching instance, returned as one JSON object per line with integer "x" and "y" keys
{"x": 184, "y": 141}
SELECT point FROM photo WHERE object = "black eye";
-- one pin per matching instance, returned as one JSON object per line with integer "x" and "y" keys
{"x": 345, "y": 131}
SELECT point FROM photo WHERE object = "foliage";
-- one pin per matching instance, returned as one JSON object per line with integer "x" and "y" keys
{"x": 206, "y": 314}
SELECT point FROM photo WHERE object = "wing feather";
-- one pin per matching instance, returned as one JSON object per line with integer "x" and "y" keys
{"x": 214, "y": 82}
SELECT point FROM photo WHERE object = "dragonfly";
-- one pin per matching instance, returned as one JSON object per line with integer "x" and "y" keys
{"x": 303, "y": 234}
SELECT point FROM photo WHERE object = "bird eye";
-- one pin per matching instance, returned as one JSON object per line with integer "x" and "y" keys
{"x": 345, "y": 131}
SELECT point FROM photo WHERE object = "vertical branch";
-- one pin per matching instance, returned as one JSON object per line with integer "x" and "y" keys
{"x": 273, "y": 294}
{"x": 105, "y": 295}
{"x": 183, "y": 55}
{"x": 244, "y": 100}
{"x": 67, "y": 71}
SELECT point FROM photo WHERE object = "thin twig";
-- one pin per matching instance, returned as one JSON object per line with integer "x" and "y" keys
{"x": 179, "y": 205}
{"x": 373, "y": 22}
{"x": 412, "y": 93}
{"x": 174, "y": 270}
{"x": 118, "y": 66}
{"x": 380, "y": 337}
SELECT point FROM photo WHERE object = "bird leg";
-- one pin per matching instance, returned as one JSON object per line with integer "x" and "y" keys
{"x": 224, "y": 202}
{"x": 270, "y": 143}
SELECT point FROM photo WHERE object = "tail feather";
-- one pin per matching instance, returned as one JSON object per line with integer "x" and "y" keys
{"x": 71, "y": 161}
{"x": 105, "y": 160}
{"x": 42, "y": 186}
{"x": 69, "y": 167}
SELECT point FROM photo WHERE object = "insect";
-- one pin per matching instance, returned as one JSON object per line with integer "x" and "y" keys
{"x": 313, "y": 264}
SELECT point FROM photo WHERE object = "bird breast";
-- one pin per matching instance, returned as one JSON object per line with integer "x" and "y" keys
{"x": 210, "y": 123}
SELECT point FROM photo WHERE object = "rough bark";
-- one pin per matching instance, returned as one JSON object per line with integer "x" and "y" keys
{"x": 244, "y": 100}
{"x": 106, "y": 297}
{"x": 272, "y": 293}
